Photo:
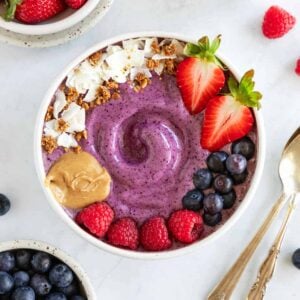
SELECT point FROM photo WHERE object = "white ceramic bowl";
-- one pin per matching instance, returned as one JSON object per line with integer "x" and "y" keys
{"x": 62, "y": 21}
{"x": 68, "y": 260}
{"x": 135, "y": 254}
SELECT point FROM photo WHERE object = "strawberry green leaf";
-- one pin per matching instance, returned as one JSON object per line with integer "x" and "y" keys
{"x": 191, "y": 49}
{"x": 10, "y": 6}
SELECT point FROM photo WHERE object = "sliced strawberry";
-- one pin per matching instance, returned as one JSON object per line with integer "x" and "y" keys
{"x": 228, "y": 118}
{"x": 200, "y": 76}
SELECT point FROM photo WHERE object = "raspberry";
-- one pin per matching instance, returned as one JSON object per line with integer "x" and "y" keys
{"x": 297, "y": 69}
{"x": 123, "y": 233}
{"x": 277, "y": 22}
{"x": 154, "y": 235}
{"x": 96, "y": 218}
{"x": 185, "y": 225}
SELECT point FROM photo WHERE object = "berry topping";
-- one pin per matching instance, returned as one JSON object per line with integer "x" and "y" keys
{"x": 200, "y": 76}
{"x": 21, "y": 278}
{"x": 40, "y": 284}
{"x": 216, "y": 161}
{"x": 296, "y": 258}
{"x": 96, "y": 218}
{"x": 244, "y": 146}
{"x": 154, "y": 235}
{"x": 4, "y": 205}
{"x": 229, "y": 199}
{"x": 193, "y": 200}
{"x": 56, "y": 296}
{"x": 236, "y": 164}
{"x": 6, "y": 283}
{"x": 41, "y": 262}
{"x": 202, "y": 179}
{"x": 277, "y": 22}
{"x": 212, "y": 220}
{"x": 23, "y": 258}
{"x": 213, "y": 204}
{"x": 7, "y": 261}
{"x": 23, "y": 293}
{"x": 185, "y": 225}
{"x": 229, "y": 117}
{"x": 239, "y": 178}
{"x": 223, "y": 184}
{"x": 123, "y": 233}
{"x": 61, "y": 276}
{"x": 77, "y": 297}
{"x": 75, "y": 4}
{"x": 297, "y": 68}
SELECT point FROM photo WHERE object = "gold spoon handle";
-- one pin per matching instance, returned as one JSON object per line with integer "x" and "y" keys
{"x": 267, "y": 268}
{"x": 225, "y": 288}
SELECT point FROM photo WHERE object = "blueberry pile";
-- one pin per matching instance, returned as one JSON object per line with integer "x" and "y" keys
{"x": 214, "y": 185}
{"x": 29, "y": 275}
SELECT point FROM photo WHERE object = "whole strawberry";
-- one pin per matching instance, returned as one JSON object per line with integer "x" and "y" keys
{"x": 96, "y": 218}
{"x": 154, "y": 235}
{"x": 123, "y": 233}
{"x": 75, "y": 4}
{"x": 185, "y": 225}
{"x": 33, "y": 11}
{"x": 277, "y": 22}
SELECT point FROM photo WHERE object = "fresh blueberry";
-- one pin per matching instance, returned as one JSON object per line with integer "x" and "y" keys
{"x": 41, "y": 262}
{"x": 56, "y": 296}
{"x": 7, "y": 261}
{"x": 61, "y": 275}
{"x": 216, "y": 161}
{"x": 240, "y": 178}
{"x": 296, "y": 258}
{"x": 212, "y": 220}
{"x": 21, "y": 278}
{"x": 77, "y": 297}
{"x": 23, "y": 259}
{"x": 229, "y": 199}
{"x": 70, "y": 290}
{"x": 23, "y": 293}
{"x": 213, "y": 204}
{"x": 223, "y": 184}
{"x": 4, "y": 205}
{"x": 236, "y": 164}
{"x": 202, "y": 179}
{"x": 40, "y": 284}
{"x": 6, "y": 283}
{"x": 193, "y": 200}
{"x": 244, "y": 146}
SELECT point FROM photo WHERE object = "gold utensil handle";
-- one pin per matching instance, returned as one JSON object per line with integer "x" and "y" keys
{"x": 225, "y": 288}
{"x": 267, "y": 268}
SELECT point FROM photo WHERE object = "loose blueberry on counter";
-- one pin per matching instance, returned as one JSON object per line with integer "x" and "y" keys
{"x": 4, "y": 205}
{"x": 41, "y": 262}
{"x": 244, "y": 146}
{"x": 236, "y": 164}
{"x": 240, "y": 178}
{"x": 61, "y": 276}
{"x": 216, "y": 161}
{"x": 213, "y": 204}
{"x": 296, "y": 258}
{"x": 24, "y": 293}
{"x": 6, "y": 283}
{"x": 193, "y": 200}
{"x": 21, "y": 278}
{"x": 40, "y": 284}
{"x": 23, "y": 258}
{"x": 212, "y": 220}
{"x": 223, "y": 184}
{"x": 56, "y": 296}
{"x": 7, "y": 261}
{"x": 229, "y": 199}
{"x": 202, "y": 179}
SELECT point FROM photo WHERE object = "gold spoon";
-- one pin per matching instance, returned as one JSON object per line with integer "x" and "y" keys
{"x": 289, "y": 172}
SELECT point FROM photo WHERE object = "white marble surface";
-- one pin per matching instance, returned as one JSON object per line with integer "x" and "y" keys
{"x": 25, "y": 75}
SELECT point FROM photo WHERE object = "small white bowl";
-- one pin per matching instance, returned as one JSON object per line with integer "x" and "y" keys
{"x": 90, "y": 238}
{"x": 65, "y": 258}
{"x": 62, "y": 21}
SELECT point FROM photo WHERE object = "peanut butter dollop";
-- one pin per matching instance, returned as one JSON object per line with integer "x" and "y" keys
{"x": 77, "y": 180}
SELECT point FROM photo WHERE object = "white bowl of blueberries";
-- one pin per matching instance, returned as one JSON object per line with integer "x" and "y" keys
{"x": 32, "y": 270}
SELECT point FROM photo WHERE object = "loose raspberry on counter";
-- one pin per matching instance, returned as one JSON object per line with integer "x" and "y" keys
{"x": 297, "y": 69}
{"x": 185, "y": 225}
{"x": 277, "y": 22}
{"x": 154, "y": 235}
{"x": 96, "y": 218}
{"x": 123, "y": 233}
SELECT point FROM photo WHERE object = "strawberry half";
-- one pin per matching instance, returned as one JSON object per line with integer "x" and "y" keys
{"x": 229, "y": 117}
{"x": 200, "y": 76}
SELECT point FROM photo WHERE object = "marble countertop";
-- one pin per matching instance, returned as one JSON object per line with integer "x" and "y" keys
{"x": 25, "y": 75}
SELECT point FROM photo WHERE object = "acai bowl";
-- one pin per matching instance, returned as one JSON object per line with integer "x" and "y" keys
{"x": 122, "y": 155}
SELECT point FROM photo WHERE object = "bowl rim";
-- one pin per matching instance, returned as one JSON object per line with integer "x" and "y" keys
{"x": 56, "y": 252}
{"x": 93, "y": 240}
{"x": 56, "y": 26}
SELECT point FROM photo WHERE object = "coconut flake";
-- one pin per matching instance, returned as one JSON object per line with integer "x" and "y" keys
{"x": 66, "y": 140}
{"x": 59, "y": 104}
{"x": 72, "y": 110}
{"x": 77, "y": 122}
{"x": 136, "y": 70}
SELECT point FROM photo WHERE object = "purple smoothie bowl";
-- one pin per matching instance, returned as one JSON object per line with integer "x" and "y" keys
{"x": 155, "y": 115}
